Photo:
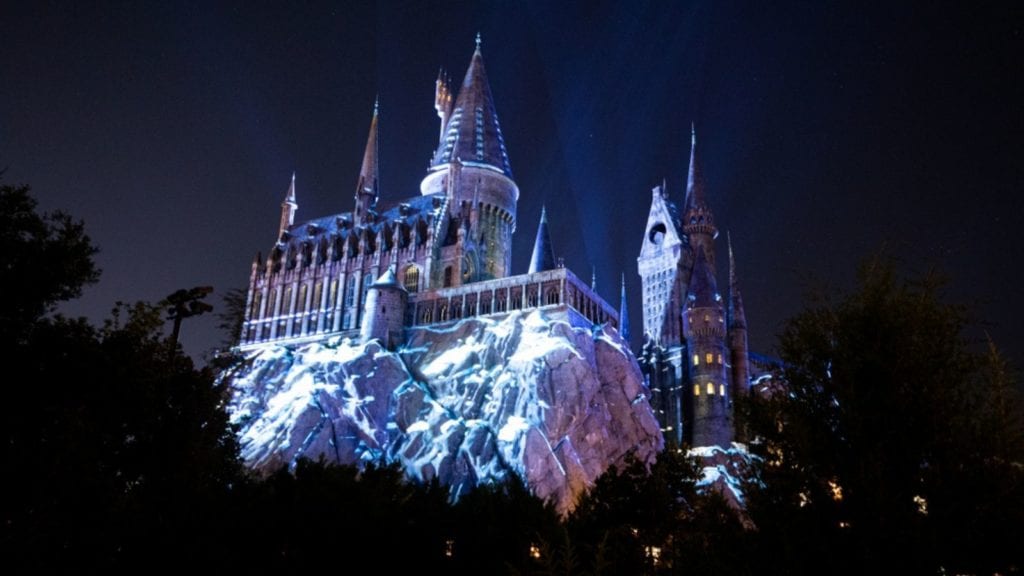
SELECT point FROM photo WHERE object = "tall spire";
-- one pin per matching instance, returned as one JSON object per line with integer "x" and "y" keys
{"x": 698, "y": 219}
{"x": 367, "y": 188}
{"x": 472, "y": 133}
{"x": 288, "y": 209}
{"x": 623, "y": 312}
{"x": 737, "y": 317}
{"x": 695, "y": 198}
{"x": 543, "y": 256}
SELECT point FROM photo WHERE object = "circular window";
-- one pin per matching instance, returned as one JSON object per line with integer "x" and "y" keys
{"x": 657, "y": 234}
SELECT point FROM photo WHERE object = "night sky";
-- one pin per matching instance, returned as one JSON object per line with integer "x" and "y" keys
{"x": 826, "y": 132}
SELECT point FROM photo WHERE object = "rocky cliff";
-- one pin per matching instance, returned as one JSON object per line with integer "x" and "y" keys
{"x": 530, "y": 394}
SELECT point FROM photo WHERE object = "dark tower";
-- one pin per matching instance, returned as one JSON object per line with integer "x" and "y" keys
{"x": 710, "y": 413}
{"x": 739, "y": 359}
{"x": 367, "y": 189}
{"x": 543, "y": 257}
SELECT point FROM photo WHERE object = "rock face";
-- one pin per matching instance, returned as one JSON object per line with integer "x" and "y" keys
{"x": 530, "y": 394}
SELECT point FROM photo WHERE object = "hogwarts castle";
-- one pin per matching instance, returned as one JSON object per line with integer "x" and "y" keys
{"x": 385, "y": 270}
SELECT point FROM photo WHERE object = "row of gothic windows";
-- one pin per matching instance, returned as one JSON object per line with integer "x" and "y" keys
{"x": 710, "y": 389}
{"x": 709, "y": 358}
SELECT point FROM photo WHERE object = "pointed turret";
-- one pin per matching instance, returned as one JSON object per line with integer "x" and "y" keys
{"x": 698, "y": 220}
{"x": 473, "y": 134}
{"x": 624, "y": 312}
{"x": 695, "y": 198}
{"x": 703, "y": 289}
{"x": 737, "y": 317}
{"x": 738, "y": 350}
{"x": 367, "y": 188}
{"x": 288, "y": 209}
{"x": 543, "y": 256}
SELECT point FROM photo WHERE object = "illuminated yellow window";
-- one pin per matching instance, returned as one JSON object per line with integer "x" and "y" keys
{"x": 719, "y": 358}
{"x": 706, "y": 318}
{"x": 696, "y": 389}
{"x": 711, "y": 389}
{"x": 721, "y": 389}
{"x": 696, "y": 359}
{"x": 708, "y": 358}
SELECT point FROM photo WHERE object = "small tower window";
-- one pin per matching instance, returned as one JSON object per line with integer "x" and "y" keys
{"x": 721, "y": 389}
{"x": 719, "y": 358}
{"x": 696, "y": 389}
{"x": 709, "y": 358}
{"x": 696, "y": 359}
{"x": 711, "y": 389}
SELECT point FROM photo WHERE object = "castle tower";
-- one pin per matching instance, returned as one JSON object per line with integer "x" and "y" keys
{"x": 663, "y": 271}
{"x": 367, "y": 188}
{"x": 471, "y": 175}
{"x": 543, "y": 257}
{"x": 288, "y": 209}
{"x": 710, "y": 409}
{"x": 664, "y": 275}
{"x": 736, "y": 323}
{"x": 384, "y": 311}
{"x": 698, "y": 220}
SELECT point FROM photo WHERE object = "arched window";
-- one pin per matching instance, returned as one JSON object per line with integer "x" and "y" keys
{"x": 254, "y": 314}
{"x": 709, "y": 358}
{"x": 427, "y": 316}
{"x": 286, "y": 302}
{"x": 721, "y": 389}
{"x": 696, "y": 359}
{"x": 696, "y": 389}
{"x": 272, "y": 304}
{"x": 300, "y": 306}
{"x": 412, "y": 278}
{"x": 350, "y": 291}
{"x": 332, "y": 294}
{"x": 719, "y": 358}
{"x": 711, "y": 389}
{"x": 443, "y": 314}
{"x": 552, "y": 297}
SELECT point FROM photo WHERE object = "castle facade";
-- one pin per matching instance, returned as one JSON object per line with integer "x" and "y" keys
{"x": 445, "y": 254}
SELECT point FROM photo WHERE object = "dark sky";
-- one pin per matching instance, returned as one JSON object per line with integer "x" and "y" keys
{"x": 827, "y": 131}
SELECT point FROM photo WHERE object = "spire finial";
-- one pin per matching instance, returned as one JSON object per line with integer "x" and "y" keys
{"x": 543, "y": 214}
{"x": 593, "y": 278}
{"x": 732, "y": 260}
{"x": 376, "y": 104}
{"x": 693, "y": 132}
{"x": 477, "y": 40}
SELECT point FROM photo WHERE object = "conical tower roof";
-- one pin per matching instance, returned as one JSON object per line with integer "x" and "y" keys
{"x": 473, "y": 134}
{"x": 695, "y": 198}
{"x": 737, "y": 317}
{"x": 703, "y": 290}
{"x": 369, "y": 173}
{"x": 543, "y": 256}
